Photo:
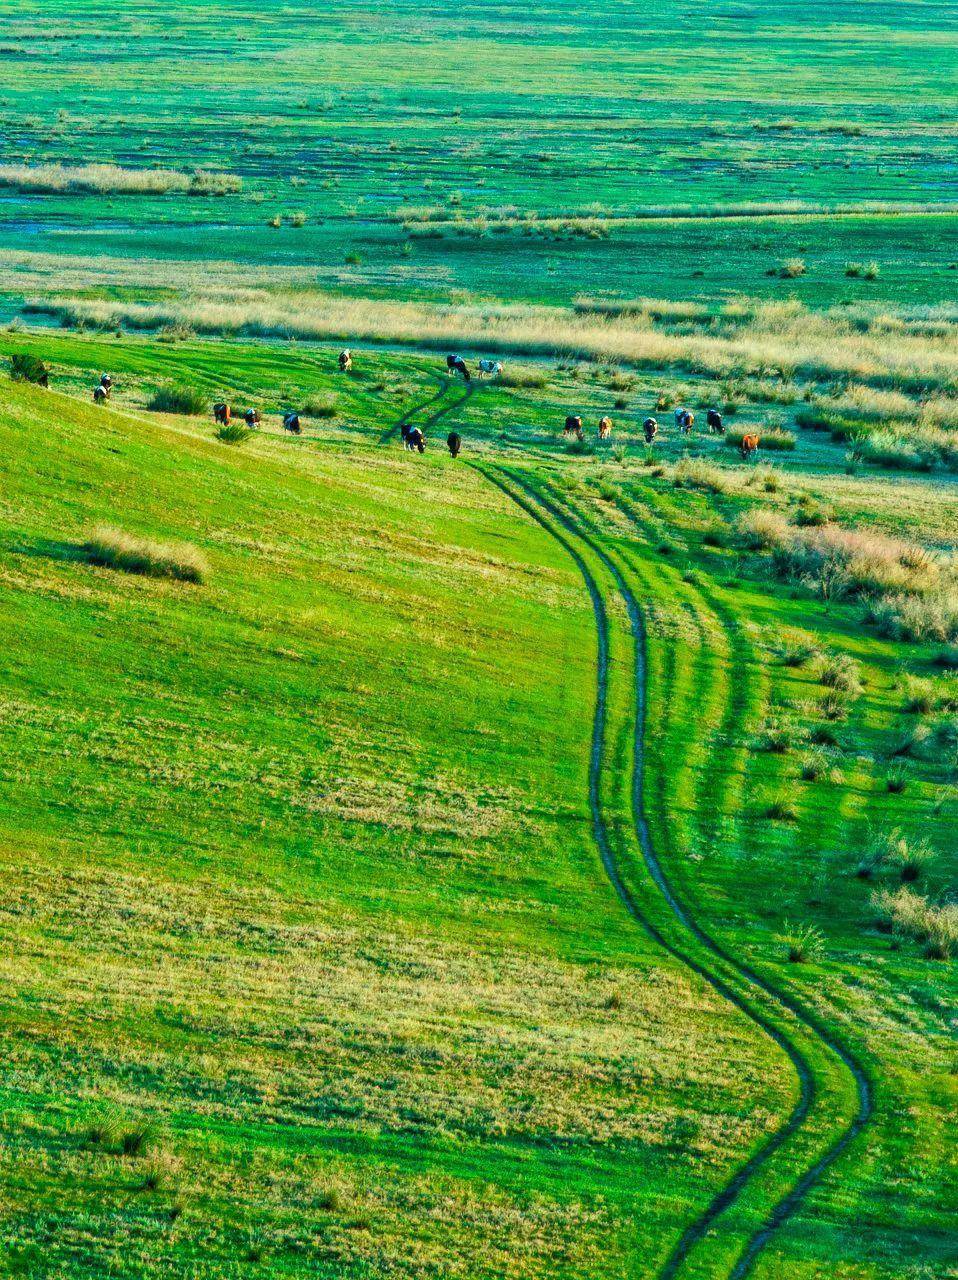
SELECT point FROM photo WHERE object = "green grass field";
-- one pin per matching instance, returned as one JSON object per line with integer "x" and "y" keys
{"x": 540, "y": 863}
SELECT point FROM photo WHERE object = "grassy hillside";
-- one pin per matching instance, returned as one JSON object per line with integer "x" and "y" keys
{"x": 302, "y": 877}
{"x": 298, "y": 873}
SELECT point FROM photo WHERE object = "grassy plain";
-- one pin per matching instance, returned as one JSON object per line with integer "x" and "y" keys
{"x": 329, "y": 947}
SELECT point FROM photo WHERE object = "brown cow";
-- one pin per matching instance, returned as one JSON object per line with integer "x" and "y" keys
{"x": 685, "y": 421}
{"x": 605, "y": 428}
{"x": 222, "y": 413}
{"x": 749, "y": 446}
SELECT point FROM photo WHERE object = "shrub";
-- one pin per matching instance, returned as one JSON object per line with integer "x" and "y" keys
{"x": 802, "y": 942}
{"x": 796, "y": 653}
{"x": 782, "y": 810}
{"x": 839, "y": 671}
{"x": 811, "y": 514}
{"x": 897, "y": 779}
{"x": 177, "y": 399}
{"x": 763, "y": 530}
{"x": 834, "y": 706}
{"x": 28, "y": 368}
{"x": 792, "y": 268}
{"x": 892, "y": 451}
{"x": 814, "y": 767}
{"x": 853, "y": 270}
{"x": 774, "y": 439}
{"x": 319, "y": 406}
{"x": 695, "y": 473}
{"x": 902, "y": 616}
{"x": 233, "y": 433}
{"x": 159, "y": 1171}
{"x": 115, "y": 549}
{"x": 913, "y": 915}
{"x": 824, "y": 735}
{"x": 778, "y": 737}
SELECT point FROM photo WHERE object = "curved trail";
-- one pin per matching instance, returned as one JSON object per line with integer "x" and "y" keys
{"x": 532, "y": 503}
{"x": 444, "y": 386}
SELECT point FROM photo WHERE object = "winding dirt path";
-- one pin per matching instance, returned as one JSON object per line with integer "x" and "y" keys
{"x": 567, "y": 534}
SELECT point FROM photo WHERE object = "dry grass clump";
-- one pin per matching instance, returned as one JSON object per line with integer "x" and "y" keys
{"x": 935, "y": 741}
{"x": 778, "y": 737}
{"x": 894, "y": 850}
{"x": 696, "y": 473}
{"x": 103, "y": 179}
{"x": 914, "y": 617}
{"x": 905, "y": 912}
{"x": 841, "y": 672}
{"x": 118, "y": 550}
{"x": 763, "y": 530}
{"x": 923, "y": 696}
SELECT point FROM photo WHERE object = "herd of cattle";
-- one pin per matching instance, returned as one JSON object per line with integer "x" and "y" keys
{"x": 413, "y": 437}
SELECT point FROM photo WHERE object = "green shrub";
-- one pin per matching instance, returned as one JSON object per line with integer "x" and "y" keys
{"x": 233, "y": 433}
{"x": 802, "y": 942}
{"x": 319, "y": 406}
{"x": 29, "y": 368}
{"x": 177, "y": 399}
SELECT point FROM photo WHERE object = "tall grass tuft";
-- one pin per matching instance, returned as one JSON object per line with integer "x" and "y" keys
{"x": 115, "y": 549}
{"x": 177, "y": 399}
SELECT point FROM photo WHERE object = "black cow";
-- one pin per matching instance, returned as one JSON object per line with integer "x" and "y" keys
{"x": 291, "y": 423}
{"x": 651, "y": 429}
{"x": 714, "y": 422}
{"x": 454, "y": 441}
{"x": 456, "y": 364}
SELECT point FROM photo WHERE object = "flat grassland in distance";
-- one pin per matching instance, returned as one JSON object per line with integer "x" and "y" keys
{"x": 498, "y": 150}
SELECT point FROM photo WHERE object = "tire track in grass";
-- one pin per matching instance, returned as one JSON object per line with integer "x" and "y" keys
{"x": 793, "y": 1199}
{"x": 526, "y": 499}
{"x": 445, "y": 385}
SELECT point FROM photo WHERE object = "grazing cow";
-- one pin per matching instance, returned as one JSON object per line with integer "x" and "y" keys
{"x": 685, "y": 421}
{"x": 291, "y": 423}
{"x": 651, "y": 428}
{"x": 714, "y": 421}
{"x": 573, "y": 426}
{"x": 490, "y": 368}
{"x": 414, "y": 440}
{"x": 605, "y": 428}
{"x": 345, "y": 361}
{"x": 251, "y": 417}
{"x": 456, "y": 364}
{"x": 749, "y": 446}
{"x": 100, "y": 394}
{"x": 222, "y": 413}
{"x": 106, "y": 382}
{"x": 454, "y": 441}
